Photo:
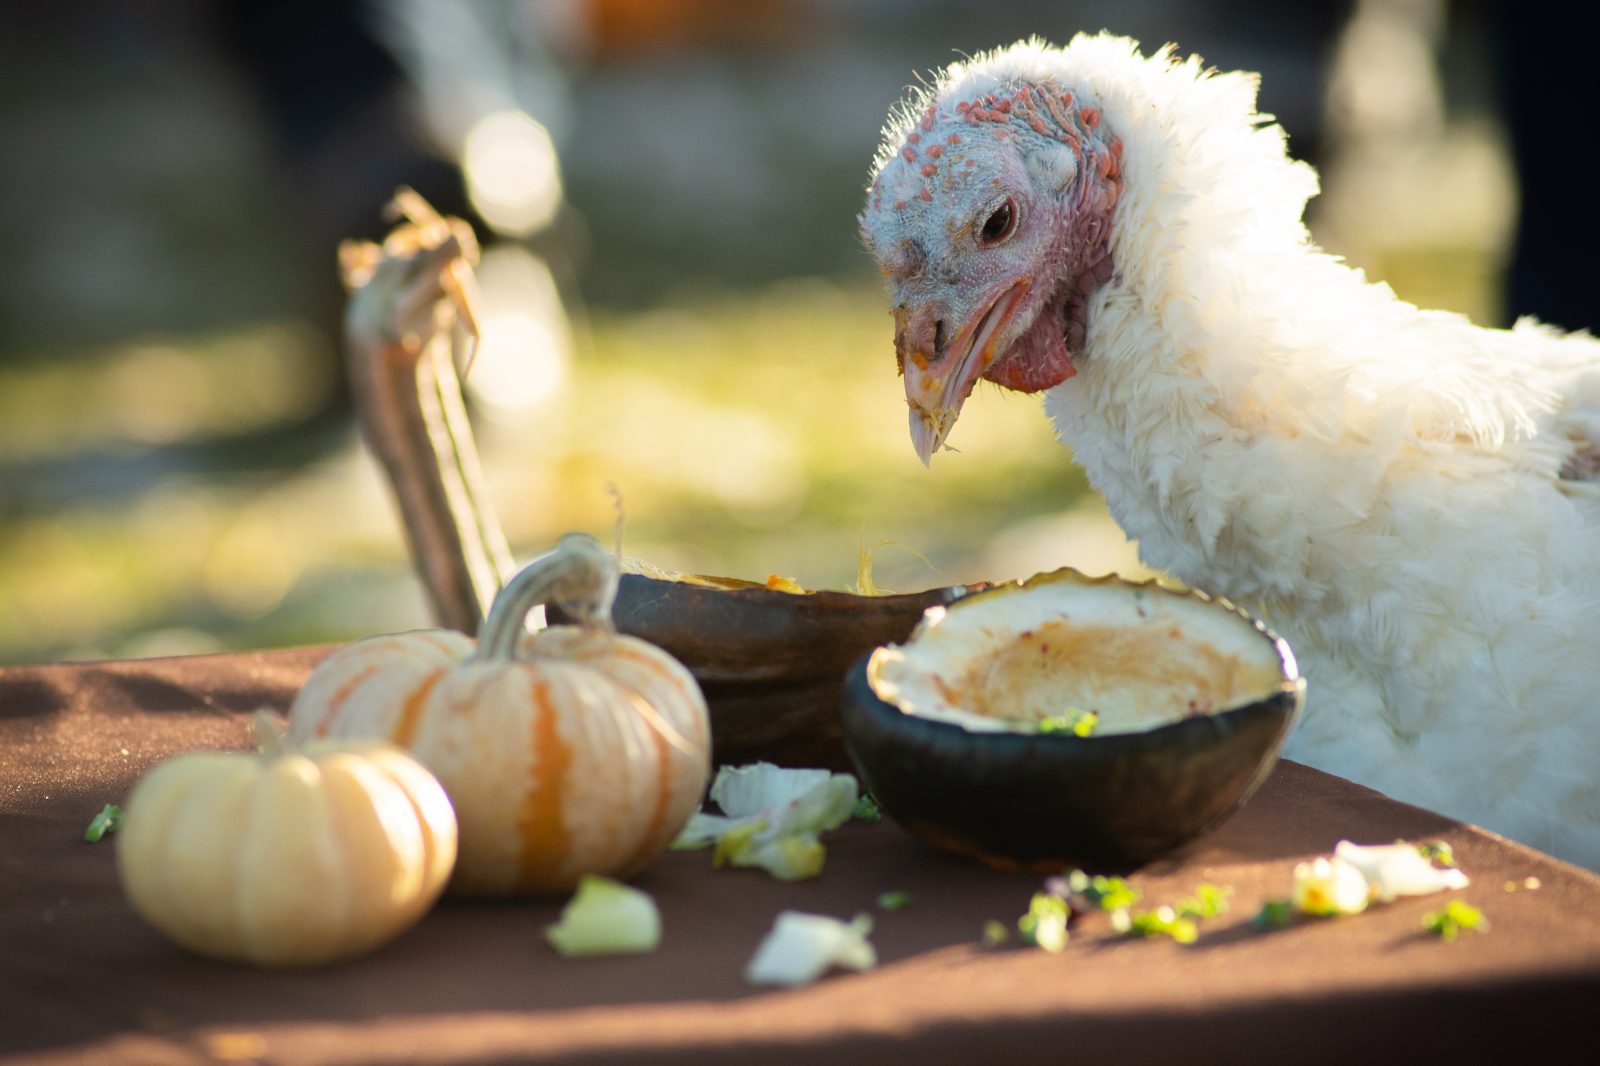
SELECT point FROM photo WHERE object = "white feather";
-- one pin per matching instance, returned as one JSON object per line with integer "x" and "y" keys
{"x": 1382, "y": 483}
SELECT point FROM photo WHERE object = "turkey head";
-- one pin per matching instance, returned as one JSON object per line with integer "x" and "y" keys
{"x": 989, "y": 214}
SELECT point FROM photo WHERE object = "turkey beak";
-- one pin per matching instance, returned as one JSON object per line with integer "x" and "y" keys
{"x": 917, "y": 343}
{"x": 940, "y": 369}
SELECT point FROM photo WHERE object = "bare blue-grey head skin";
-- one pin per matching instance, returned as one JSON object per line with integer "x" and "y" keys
{"x": 989, "y": 217}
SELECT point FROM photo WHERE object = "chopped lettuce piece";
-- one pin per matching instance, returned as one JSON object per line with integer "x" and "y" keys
{"x": 1329, "y": 886}
{"x": 894, "y": 900}
{"x": 605, "y": 917}
{"x": 1045, "y": 924}
{"x": 1394, "y": 870}
{"x": 1208, "y": 901}
{"x": 1181, "y": 923}
{"x": 790, "y": 858}
{"x": 1455, "y": 916}
{"x": 867, "y": 809}
{"x": 783, "y": 801}
{"x": 995, "y": 933}
{"x": 1084, "y": 893}
{"x": 1163, "y": 921}
{"x": 109, "y": 820}
{"x": 734, "y": 844}
{"x": 805, "y": 800}
{"x": 771, "y": 818}
{"x": 1356, "y": 875}
{"x": 1076, "y": 721}
{"x": 703, "y": 829}
{"x": 802, "y": 947}
{"x": 1438, "y": 851}
{"x": 1274, "y": 914}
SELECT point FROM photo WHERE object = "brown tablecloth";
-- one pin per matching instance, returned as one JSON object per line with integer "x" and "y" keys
{"x": 82, "y": 980}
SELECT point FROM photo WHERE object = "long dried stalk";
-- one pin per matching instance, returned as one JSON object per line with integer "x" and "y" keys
{"x": 411, "y": 311}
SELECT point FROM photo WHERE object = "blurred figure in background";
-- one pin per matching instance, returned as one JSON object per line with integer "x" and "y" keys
{"x": 457, "y": 101}
{"x": 1551, "y": 99}
{"x": 340, "y": 115}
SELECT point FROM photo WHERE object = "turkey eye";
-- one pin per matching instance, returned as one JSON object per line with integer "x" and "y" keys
{"x": 998, "y": 226}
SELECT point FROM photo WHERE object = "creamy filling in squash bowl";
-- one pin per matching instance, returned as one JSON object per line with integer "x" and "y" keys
{"x": 1068, "y": 719}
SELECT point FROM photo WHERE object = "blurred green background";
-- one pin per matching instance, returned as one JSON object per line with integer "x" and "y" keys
{"x": 676, "y": 303}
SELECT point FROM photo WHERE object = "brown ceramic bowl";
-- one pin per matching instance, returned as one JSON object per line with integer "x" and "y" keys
{"x": 771, "y": 663}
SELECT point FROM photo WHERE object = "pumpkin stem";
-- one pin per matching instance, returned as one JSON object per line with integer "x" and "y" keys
{"x": 578, "y": 574}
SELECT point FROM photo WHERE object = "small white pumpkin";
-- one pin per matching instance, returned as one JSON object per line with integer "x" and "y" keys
{"x": 572, "y": 751}
{"x": 292, "y": 857}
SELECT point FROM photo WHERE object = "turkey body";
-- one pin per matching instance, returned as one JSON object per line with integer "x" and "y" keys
{"x": 1434, "y": 570}
{"x": 1411, "y": 500}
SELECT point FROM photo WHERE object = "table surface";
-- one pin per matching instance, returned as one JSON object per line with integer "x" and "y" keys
{"x": 83, "y": 980}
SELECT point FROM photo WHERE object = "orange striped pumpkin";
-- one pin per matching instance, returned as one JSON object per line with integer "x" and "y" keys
{"x": 571, "y": 751}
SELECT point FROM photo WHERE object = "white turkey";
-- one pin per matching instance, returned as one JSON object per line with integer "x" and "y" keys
{"x": 1411, "y": 500}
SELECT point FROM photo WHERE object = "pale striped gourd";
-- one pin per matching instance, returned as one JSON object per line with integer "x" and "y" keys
{"x": 293, "y": 857}
{"x": 574, "y": 750}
